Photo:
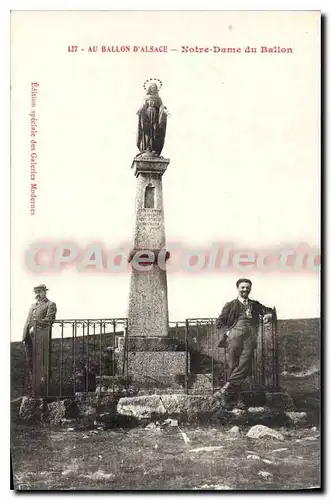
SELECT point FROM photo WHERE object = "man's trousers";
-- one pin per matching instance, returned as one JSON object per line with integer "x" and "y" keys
{"x": 37, "y": 361}
{"x": 241, "y": 345}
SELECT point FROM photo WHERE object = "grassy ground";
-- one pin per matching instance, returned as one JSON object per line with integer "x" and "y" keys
{"x": 141, "y": 459}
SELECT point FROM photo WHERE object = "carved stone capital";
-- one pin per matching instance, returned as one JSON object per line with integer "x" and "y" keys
{"x": 150, "y": 165}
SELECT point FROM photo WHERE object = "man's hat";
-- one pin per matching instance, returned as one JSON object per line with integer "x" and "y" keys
{"x": 40, "y": 287}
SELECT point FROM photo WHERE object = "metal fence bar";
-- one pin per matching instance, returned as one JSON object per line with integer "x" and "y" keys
{"x": 61, "y": 360}
{"x": 73, "y": 357}
{"x": 262, "y": 352}
{"x": 83, "y": 340}
{"x": 113, "y": 355}
{"x": 87, "y": 358}
{"x": 49, "y": 359}
{"x": 124, "y": 350}
{"x": 198, "y": 334}
{"x": 255, "y": 364}
{"x": 276, "y": 355}
{"x": 100, "y": 355}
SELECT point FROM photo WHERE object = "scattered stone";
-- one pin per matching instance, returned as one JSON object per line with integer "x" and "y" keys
{"x": 67, "y": 472}
{"x": 253, "y": 457}
{"x": 280, "y": 400}
{"x": 213, "y": 487}
{"x": 256, "y": 410}
{"x": 314, "y": 429}
{"x": 266, "y": 461}
{"x": 67, "y": 421}
{"x": 150, "y": 426}
{"x": 59, "y": 412}
{"x": 100, "y": 475}
{"x": 234, "y": 430}
{"x": 141, "y": 407}
{"x": 309, "y": 438}
{"x": 189, "y": 407}
{"x": 107, "y": 418}
{"x": 259, "y": 431}
{"x": 264, "y": 473}
{"x": 171, "y": 422}
{"x": 206, "y": 448}
{"x": 296, "y": 417}
{"x": 32, "y": 410}
{"x": 71, "y": 429}
{"x": 184, "y": 436}
{"x": 279, "y": 449}
{"x": 107, "y": 404}
{"x": 238, "y": 412}
{"x": 15, "y": 406}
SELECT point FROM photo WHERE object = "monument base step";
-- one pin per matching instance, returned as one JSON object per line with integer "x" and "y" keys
{"x": 101, "y": 411}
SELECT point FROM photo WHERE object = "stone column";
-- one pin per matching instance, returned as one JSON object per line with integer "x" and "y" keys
{"x": 148, "y": 302}
{"x": 156, "y": 362}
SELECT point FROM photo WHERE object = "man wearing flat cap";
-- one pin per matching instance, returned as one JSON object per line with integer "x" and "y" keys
{"x": 238, "y": 324}
{"x": 36, "y": 338}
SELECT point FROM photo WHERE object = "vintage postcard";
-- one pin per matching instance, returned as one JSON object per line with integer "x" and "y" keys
{"x": 165, "y": 250}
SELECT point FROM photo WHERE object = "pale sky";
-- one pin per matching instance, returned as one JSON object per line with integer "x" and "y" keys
{"x": 243, "y": 142}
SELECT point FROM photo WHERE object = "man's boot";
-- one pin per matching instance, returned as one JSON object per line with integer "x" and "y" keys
{"x": 226, "y": 396}
{"x": 240, "y": 402}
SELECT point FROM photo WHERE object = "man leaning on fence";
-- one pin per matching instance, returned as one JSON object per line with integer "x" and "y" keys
{"x": 238, "y": 324}
{"x": 36, "y": 339}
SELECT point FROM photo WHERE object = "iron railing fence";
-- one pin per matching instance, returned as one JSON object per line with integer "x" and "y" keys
{"x": 85, "y": 355}
{"x": 202, "y": 341}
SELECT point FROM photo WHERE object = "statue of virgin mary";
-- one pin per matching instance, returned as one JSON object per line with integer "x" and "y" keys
{"x": 152, "y": 122}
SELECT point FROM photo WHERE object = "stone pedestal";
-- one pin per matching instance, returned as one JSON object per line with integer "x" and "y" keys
{"x": 157, "y": 371}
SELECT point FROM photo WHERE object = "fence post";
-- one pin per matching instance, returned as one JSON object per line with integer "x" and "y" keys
{"x": 87, "y": 357}
{"x": 61, "y": 360}
{"x": 186, "y": 356}
{"x": 276, "y": 358}
{"x": 262, "y": 352}
{"x": 124, "y": 349}
{"x": 74, "y": 356}
{"x": 49, "y": 360}
{"x": 212, "y": 331}
{"x": 100, "y": 357}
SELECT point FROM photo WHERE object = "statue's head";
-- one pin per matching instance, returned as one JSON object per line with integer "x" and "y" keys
{"x": 153, "y": 89}
{"x": 152, "y": 86}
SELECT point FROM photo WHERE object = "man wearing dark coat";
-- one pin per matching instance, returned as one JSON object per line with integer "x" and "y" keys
{"x": 36, "y": 339}
{"x": 238, "y": 324}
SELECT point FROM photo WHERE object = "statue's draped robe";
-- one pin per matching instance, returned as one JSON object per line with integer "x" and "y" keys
{"x": 152, "y": 124}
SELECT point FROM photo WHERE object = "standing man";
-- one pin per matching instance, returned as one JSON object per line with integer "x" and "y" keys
{"x": 36, "y": 338}
{"x": 238, "y": 323}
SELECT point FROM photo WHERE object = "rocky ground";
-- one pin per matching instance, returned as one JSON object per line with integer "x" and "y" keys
{"x": 167, "y": 457}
